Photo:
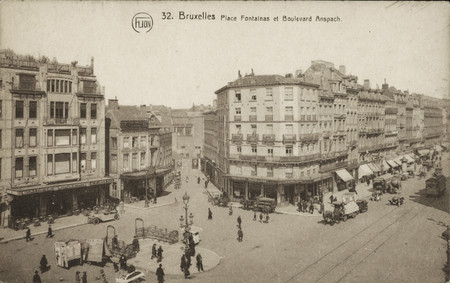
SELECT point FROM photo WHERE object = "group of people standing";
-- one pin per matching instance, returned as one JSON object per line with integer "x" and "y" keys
{"x": 262, "y": 218}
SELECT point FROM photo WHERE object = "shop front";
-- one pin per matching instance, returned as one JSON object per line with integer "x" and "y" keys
{"x": 57, "y": 199}
{"x": 345, "y": 180}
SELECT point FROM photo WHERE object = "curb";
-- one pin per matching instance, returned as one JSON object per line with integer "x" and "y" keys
{"x": 4, "y": 241}
{"x": 150, "y": 207}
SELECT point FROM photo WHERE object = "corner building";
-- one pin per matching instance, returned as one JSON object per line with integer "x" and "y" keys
{"x": 52, "y": 139}
{"x": 268, "y": 139}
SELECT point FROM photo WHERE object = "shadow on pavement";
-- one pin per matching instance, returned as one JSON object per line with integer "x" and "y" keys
{"x": 440, "y": 202}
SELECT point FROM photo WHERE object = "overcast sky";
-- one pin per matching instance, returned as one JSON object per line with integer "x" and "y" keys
{"x": 181, "y": 62}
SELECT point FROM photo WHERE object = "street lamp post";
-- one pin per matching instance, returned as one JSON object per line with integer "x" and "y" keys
{"x": 184, "y": 222}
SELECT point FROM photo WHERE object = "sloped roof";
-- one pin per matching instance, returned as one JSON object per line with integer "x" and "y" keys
{"x": 125, "y": 113}
{"x": 263, "y": 80}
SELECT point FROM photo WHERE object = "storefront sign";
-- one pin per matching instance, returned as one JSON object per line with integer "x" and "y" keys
{"x": 43, "y": 189}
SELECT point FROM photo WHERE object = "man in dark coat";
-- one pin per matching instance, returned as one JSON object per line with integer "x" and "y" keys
{"x": 240, "y": 235}
{"x": 160, "y": 251}
{"x": 160, "y": 274}
{"x": 36, "y": 277}
{"x": 199, "y": 262}
{"x": 84, "y": 277}
{"x": 43, "y": 263}
{"x": 153, "y": 251}
{"x": 77, "y": 277}
{"x": 49, "y": 232}
{"x": 209, "y": 214}
{"x": 198, "y": 180}
{"x": 239, "y": 220}
{"x": 311, "y": 208}
{"x": 260, "y": 217}
{"x": 28, "y": 234}
{"x": 154, "y": 200}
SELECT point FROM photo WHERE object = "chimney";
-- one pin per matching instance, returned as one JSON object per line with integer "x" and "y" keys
{"x": 385, "y": 86}
{"x": 298, "y": 73}
{"x": 366, "y": 84}
{"x": 103, "y": 90}
{"x": 239, "y": 74}
{"x": 92, "y": 64}
{"x": 342, "y": 69}
{"x": 113, "y": 104}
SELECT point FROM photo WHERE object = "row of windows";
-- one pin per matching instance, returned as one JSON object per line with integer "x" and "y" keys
{"x": 61, "y": 86}
{"x": 269, "y": 170}
{"x": 288, "y": 94}
{"x": 135, "y": 142}
{"x": 20, "y": 106}
{"x": 57, "y": 109}
{"x": 57, "y": 137}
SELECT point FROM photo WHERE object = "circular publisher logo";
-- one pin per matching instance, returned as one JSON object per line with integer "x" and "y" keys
{"x": 142, "y": 22}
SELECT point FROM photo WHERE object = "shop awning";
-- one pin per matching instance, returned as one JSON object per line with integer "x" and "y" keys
{"x": 423, "y": 152}
{"x": 385, "y": 165}
{"x": 438, "y": 148}
{"x": 409, "y": 159}
{"x": 57, "y": 187}
{"x": 364, "y": 170}
{"x": 392, "y": 163}
{"x": 373, "y": 167}
{"x": 344, "y": 175}
{"x": 398, "y": 160}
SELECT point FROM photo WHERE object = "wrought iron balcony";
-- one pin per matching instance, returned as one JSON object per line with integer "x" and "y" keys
{"x": 268, "y": 138}
{"x": 309, "y": 137}
{"x": 289, "y": 117}
{"x": 253, "y": 138}
{"x": 301, "y": 158}
{"x": 236, "y": 137}
{"x": 289, "y": 138}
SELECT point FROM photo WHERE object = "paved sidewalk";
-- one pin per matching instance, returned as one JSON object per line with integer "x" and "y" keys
{"x": 7, "y": 235}
{"x": 171, "y": 258}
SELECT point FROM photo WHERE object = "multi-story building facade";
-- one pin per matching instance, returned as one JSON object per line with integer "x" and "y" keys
{"x": 138, "y": 153}
{"x": 400, "y": 101}
{"x": 390, "y": 124}
{"x": 433, "y": 118}
{"x": 188, "y": 133}
{"x": 417, "y": 121}
{"x": 211, "y": 148}
{"x": 371, "y": 115}
{"x": 52, "y": 129}
{"x": 268, "y": 137}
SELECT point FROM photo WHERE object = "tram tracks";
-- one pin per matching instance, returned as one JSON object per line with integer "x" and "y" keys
{"x": 326, "y": 268}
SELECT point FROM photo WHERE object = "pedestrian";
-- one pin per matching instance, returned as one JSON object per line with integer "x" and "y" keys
{"x": 160, "y": 251}
{"x": 154, "y": 198}
{"x": 331, "y": 198}
{"x": 49, "y": 232}
{"x": 43, "y": 263}
{"x": 136, "y": 245}
{"x": 311, "y": 208}
{"x": 84, "y": 277}
{"x": 240, "y": 235}
{"x": 322, "y": 208}
{"x": 239, "y": 220}
{"x": 254, "y": 216}
{"x": 187, "y": 179}
{"x": 198, "y": 180}
{"x": 36, "y": 277}
{"x": 115, "y": 241}
{"x": 267, "y": 218}
{"x": 153, "y": 251}
{"x": 77, "y": 277}
{"x": 209, "y": 214}
{"x": 160, "y": 274}
{"x": 28, "y": 234}
{"x": 368, "y": 182}
{"x": 199, "y": 262}
{"x": 230, "y": 211}
{"x": 260, "y": 217}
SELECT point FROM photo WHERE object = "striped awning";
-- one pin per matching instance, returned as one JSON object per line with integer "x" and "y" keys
{"x": 385, "y": 165}
{"x": 409, "y": 159}
{"x": 423, "y": 152}
{"x": 392, "y": 163}
{"x": 364, "y": 170}
{"x": 373, "y": 167}
{"x": 344, "y": 175}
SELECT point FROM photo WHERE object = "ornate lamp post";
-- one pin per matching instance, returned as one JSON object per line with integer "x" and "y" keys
{"x": 184, "y": 222}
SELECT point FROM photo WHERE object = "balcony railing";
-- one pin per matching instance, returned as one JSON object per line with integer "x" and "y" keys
{"x": 288, "y": 117}
{"x": 236, "y": 137}
{"x": 269, "y": 117}
{"x": 268, "y": 138}
{"x": 289, "y": 138}
{"x": 309, "y": 137}
{"x": 339, "y": 116}
{"x": 252, "y": 118}
{"x": 253, "y": 138}
{"x": 237, "y": 118}
{"x": 253, "y": 157}
{"x": 61, "y": 121}
{"x": 302, "y": 158}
